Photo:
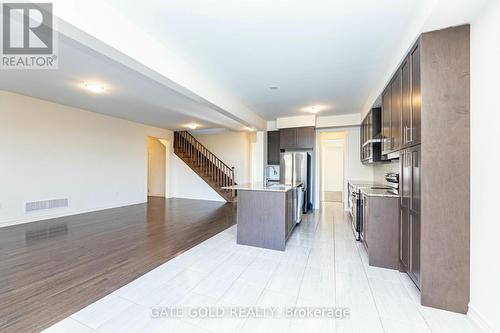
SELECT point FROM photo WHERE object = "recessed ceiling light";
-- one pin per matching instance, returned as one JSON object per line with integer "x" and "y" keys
{"x": 192, "y": 126}
{"x": 273, "y": 87}
{"x": 250, "y": 129}
{"x": 94, "y": 87}
{"x": 314, "y": 109}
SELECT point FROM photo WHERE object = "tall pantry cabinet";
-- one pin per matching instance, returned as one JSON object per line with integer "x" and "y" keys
{"x": 426, "y": 123}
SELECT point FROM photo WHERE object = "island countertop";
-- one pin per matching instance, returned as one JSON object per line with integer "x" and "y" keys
{"x": 260, "y": 186}
{"x": 371, "y": 192}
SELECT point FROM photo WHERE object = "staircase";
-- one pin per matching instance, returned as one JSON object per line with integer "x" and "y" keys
{"x": 205, "y": 164}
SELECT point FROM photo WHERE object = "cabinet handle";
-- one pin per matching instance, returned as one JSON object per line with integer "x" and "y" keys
{"x": 411, "y": 134}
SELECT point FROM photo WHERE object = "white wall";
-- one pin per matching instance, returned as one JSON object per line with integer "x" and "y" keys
{"x": 259, "y": 158}
{"x": 52, "y": 151}
{"x": 296, "y": 121}
{"x": 185, "y": 183}
{"x": 353, "y": 167}
{"x": 484, "y": 304}
{"x": 156, "y": 168}
{"x": 380, "y": 169}
{"x": 234, "y": 149}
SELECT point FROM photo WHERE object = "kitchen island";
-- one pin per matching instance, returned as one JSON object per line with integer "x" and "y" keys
{"x": 265, "y": 214}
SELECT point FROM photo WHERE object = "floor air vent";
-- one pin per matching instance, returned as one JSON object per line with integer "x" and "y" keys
{"x": 46, "y": 204}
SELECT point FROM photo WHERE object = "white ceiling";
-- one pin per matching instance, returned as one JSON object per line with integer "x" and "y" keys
{"x": 318, "y": 52}
{"x": 128, "y": 95}
{"x": 169, "y": 63}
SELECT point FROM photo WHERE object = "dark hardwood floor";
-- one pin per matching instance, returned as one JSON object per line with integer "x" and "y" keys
{"x": 51, "y": 269}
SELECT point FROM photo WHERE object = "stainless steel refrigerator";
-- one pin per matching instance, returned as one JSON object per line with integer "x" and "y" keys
{"x": 295, "y": 168}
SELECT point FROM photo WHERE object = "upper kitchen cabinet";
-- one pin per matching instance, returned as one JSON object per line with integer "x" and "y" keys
{"x": 288, "y": 138}
{"x": 297, "y": 138}
{"x": 396, "y": 112}
{"x": 273, "y": 147}
{"x": 305, "y": 137}
{"x": 391, "y": 117}
{"x": 401, "y": 104}
{"x": 386, "y": 121}
{"x": 370, "y": 136}
{"x": 410, "y": 124}
{"x": 406, "y": 102}
{"x": 413, "y": 135}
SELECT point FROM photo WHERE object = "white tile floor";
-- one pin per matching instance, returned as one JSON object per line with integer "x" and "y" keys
{"x": 322, "y": 267}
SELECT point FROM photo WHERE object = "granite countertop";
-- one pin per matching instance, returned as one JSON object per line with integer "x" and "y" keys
{"x": 372, "y": 192}
{"x": 260, "y": 186}
{"x": 362, "y": 183}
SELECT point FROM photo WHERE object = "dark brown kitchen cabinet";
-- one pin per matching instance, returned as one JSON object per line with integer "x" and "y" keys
{"x": 370, "y": 134}
{"x": 273, "y": 147}
{"x": 288, "y": 138}
{"x": 305, "y": 137}
{"x": 406, "y": 102}
{"x": 380, "y": 229}
{"x": 416, "y": 98}
{"x": 434, "y": 129}
{"x": 396, "y": 112}
{"x": 409, "y": 226}
{"x": 386, "y": 121}
{"x": 297, "y": 138}
{"x": 404, "y": 220}
{"x": 365, "y": 221}
{"x": 410, "y": 124}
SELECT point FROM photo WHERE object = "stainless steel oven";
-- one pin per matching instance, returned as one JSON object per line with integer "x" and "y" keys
{"x": 354, "y": 205}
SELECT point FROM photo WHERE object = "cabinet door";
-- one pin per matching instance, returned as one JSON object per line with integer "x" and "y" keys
{"x": 416, "y": 98}
{"x": 404, "y": 223}
{"x": 305, "y": 137}
{"x": 414, "y": 268}
{"x": 415, "y": 179}
{"x": 406, "y": 104}
{"x": 369, "y": 135}
{"x": 289, "y": 215}
{"x": 273, "y": 147}
{"x": 386, "y": 121}
{"x": 396, "y": 112}
{"x": 363, "y": 138}
{"x": 366, "y": 222}
{"x": 404, "y": 237}
{"x": 288, "y": 138}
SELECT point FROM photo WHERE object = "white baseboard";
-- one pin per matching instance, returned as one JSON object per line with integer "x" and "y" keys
{"x": 479, "y": 320}
{"x": 55, "y": 214}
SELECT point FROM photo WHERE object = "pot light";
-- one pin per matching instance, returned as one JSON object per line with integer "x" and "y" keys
{"x": 250, "y": 129}
{"x": 273, "y": 87}
{"x": 192, "y": 126}
{"x": 96, "y": 88}
{"x": 314, "y": 109}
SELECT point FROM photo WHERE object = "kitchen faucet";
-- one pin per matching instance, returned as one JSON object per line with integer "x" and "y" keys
{"x": 275, "y": 172}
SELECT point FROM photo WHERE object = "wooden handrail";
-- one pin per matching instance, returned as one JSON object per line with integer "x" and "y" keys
{"x": 198, "y": 143}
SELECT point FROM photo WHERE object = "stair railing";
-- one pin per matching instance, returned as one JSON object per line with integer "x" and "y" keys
{"x": 208, "y": 162}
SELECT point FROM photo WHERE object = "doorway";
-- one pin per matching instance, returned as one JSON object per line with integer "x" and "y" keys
{"x": 332, "y": 159}
{"x": 157, "y": 165}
